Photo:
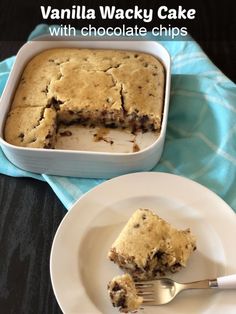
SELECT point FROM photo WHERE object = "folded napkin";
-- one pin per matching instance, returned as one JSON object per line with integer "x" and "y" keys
{"x": 201, "y": 130}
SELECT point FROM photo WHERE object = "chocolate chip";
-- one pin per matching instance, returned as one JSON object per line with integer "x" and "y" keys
{"x": 136, "y": 225}
{"x": 147, "y": 267}
{"x": 49, "y": 145}
{"x": 136, "y": 148}
{"x": 176, "y": 265}
{"x": 152, "y": 127}
{"x": 144, "y": 118}
{"x": 66, "y": 133}
{"x": 116, "y": 287}
{"x": 121, "y": 302}
{"x": 158, "y": 254}
{"x": 111, "y": 125}
{"x": 55, "y": 103}
{"x": 48, "y": 136}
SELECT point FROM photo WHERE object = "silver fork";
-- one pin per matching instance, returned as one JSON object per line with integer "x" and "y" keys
{"x": 163, "y": 290}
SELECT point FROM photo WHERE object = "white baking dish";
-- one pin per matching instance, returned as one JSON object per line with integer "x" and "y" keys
{"x": 88, "y": 164}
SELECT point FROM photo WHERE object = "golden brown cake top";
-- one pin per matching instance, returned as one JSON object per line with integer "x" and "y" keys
{"x": 86, "y": 77}
{"x": 91, "y": 87}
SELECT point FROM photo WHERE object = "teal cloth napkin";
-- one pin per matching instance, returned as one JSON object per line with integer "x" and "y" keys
{"x": 200, "y": 141}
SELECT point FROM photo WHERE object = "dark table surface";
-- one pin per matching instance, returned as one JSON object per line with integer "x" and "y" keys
{"x": 30, "y": 213}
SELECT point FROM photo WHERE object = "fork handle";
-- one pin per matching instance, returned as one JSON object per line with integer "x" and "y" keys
{"x": 225, "y": 282}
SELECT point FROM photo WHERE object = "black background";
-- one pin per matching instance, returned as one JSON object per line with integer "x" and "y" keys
{"x": 30, "y": 212}
{"x": 214, "y": 27}
{"x": 215, "y": 20}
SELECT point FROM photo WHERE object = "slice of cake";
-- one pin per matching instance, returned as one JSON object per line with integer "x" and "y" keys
{"x": 148, "y": 246}
{"x": 123, "y": 293}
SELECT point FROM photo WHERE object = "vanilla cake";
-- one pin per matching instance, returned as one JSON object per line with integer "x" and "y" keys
{"x": 110, "y": 88}
{"x": 148, "y": 246}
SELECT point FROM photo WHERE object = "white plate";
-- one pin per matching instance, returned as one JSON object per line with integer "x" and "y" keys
{"x": 80, "y": 270}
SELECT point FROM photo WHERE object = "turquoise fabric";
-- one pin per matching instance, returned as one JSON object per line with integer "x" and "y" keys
{"x": 200, "y": 141}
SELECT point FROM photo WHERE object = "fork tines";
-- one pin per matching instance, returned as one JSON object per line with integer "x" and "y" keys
{"x": 145, "y": 290}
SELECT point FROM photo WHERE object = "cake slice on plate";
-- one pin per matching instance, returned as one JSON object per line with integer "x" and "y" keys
{"x": 148, "y": 246}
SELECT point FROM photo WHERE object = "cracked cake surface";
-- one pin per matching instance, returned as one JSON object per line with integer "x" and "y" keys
{"x": 123, "y": 293}
{"x": 108, "y": 88}
{"x": 148, "y": 246}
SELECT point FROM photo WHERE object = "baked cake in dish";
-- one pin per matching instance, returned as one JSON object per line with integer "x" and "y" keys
{"x": 148, "y": 246}
{"x": 110, "y": 88}
{"x": 123, "y": 294}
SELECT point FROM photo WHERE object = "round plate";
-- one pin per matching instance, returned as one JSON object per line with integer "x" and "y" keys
{"x": 79, "y": 266}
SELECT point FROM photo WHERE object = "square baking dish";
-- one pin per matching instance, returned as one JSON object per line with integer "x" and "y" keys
{"x": 78, "y": 163}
